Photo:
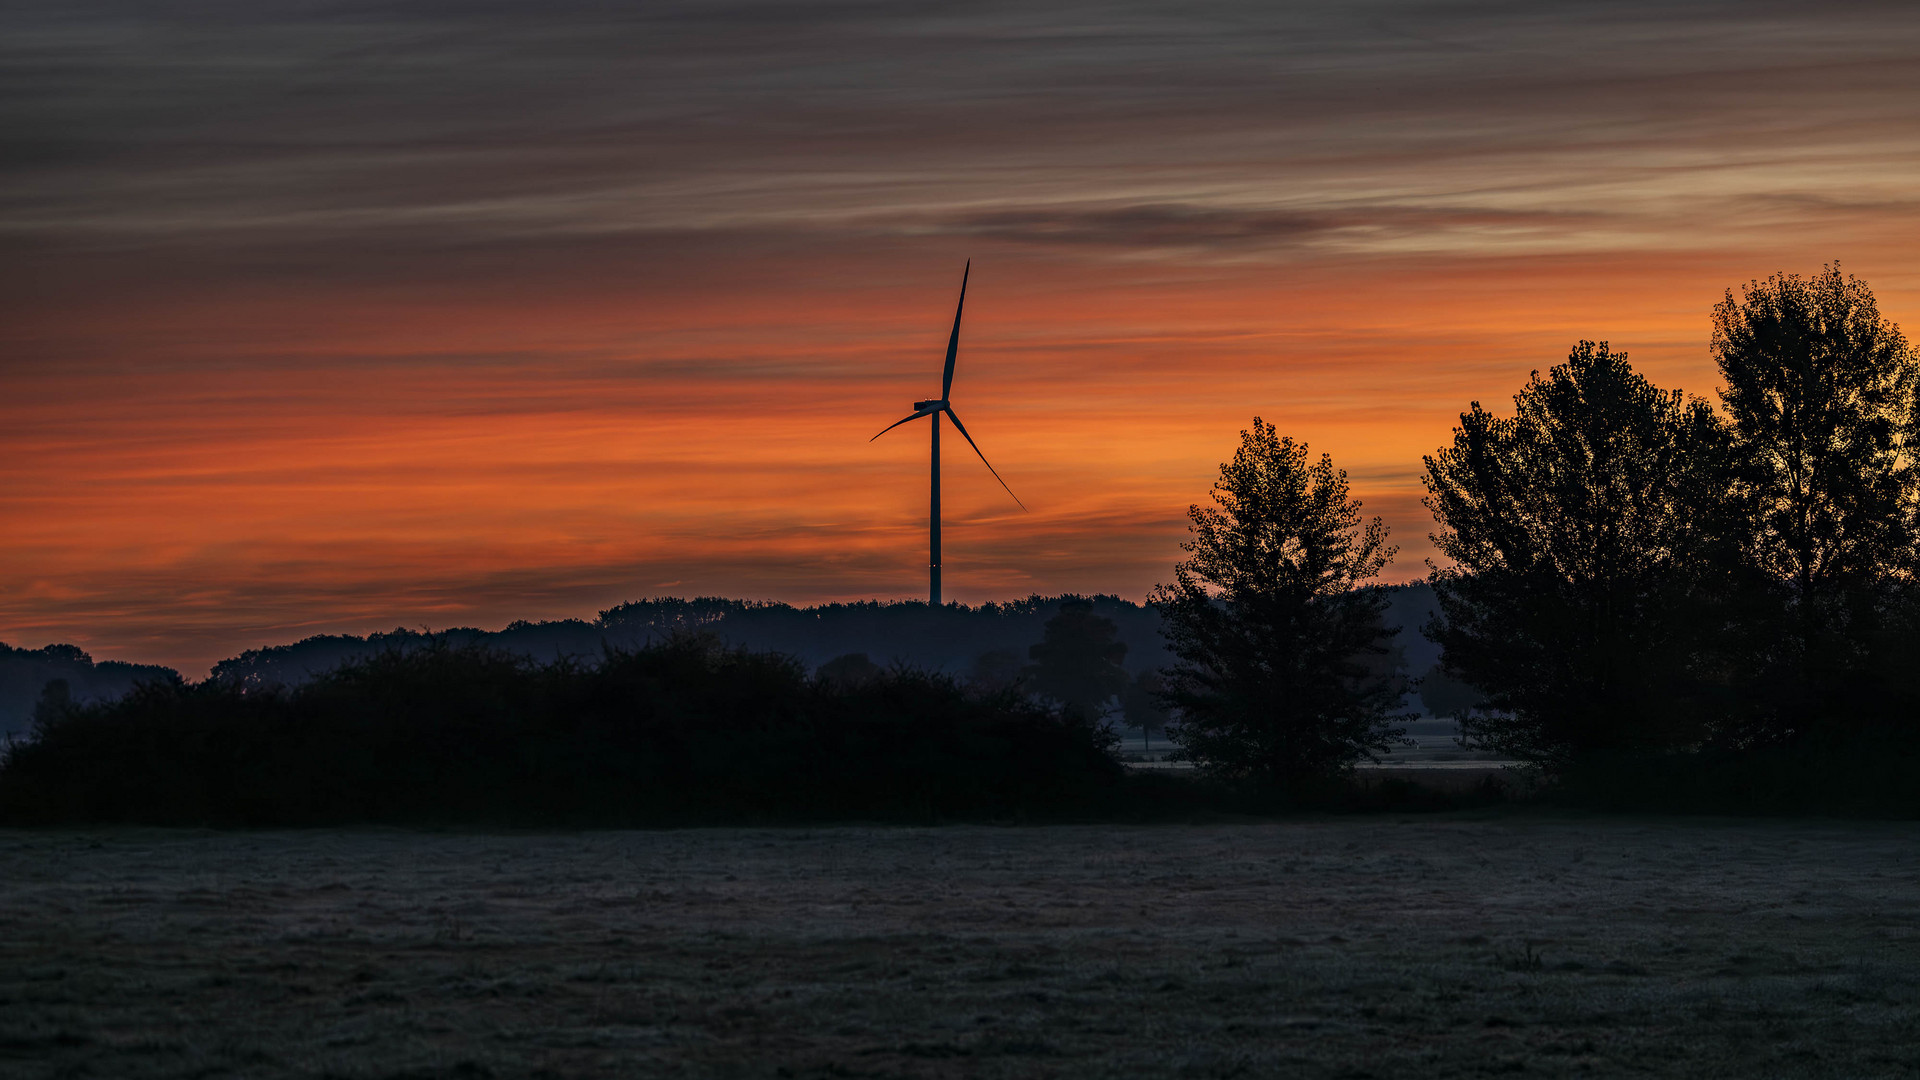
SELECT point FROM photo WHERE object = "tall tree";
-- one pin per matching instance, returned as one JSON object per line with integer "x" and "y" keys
{"x": 1586, "y": 533}
{"x": 1143, "y": 703}
{"x": 1077, "y": 662}
{"x": 1822, "y": 393}
{"x": 1270, "y": 624}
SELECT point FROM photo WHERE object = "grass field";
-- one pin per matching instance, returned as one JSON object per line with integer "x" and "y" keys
{"x": 1448, "y": 946}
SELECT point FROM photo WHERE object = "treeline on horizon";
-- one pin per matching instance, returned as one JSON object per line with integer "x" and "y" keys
{"x": 686, "y": 727}
{"x": 25, "y": 674}
{"x": 889, "y": 632}
{"x": 971, "y": 642}
{"x": 904, "y": 632}
{"x": 681, "y": 731}
{"x": 1657, "y": 603}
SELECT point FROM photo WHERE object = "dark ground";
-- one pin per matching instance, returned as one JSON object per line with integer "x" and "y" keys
{"x": 1438, "y": 946}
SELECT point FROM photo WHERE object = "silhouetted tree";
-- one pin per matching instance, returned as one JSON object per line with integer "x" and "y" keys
{"x": 680, "y": 731}
{"x": 849, "y": 671}
{"x": 1585, "y": 533}
{"x": 56, "y": 701}
{"x": 1822, "y": 393}
{"x": 24, "y": 674}
{"x": 1389, "y": 662}
{"x": 994, "y": 671}
{"x": 1078, "y": 662}
{"x": 1270, "y": 625}
{"x": 1444, "y": 695}
{"x": 948, "y": 638}
{"x": 1143, "y": 705}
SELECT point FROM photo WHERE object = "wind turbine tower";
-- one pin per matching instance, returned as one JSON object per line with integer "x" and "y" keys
{"x": 933, "y": 408}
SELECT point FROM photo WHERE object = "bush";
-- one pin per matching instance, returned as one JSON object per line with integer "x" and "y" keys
{"x": 1868, "y": 775}
{"x": 680, "y": 732}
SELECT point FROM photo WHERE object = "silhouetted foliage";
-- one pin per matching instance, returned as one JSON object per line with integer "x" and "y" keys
{"x": 1271, "y": 625}
{"x": 948, "y": 638}
{"x": 1143, "y": 704}
{"x": 851, "y": 671}
{"x": 1078, "y": 662}
{"x": 667, "y": 615}
{"x": 685, "y": 730}
{"x": 1445, "y": 695}
{"x": 1387, "y": 663}
{"x": 56, "y": 701}
{"x": 985, "y": 644}
{"x": 1592, "y": 546}
{"x": 1637, "y": 580}
{"x": 994, "y": 671}
{"x": 1867, "y": 773}
{"x": 1822, "y": 394}
{"x": 307, "y": 659}
{"x": 25, "y": 673}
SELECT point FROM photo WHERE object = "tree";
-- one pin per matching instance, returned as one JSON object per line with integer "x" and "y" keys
{"x": 994, "y": 671}
{"x": 56, "y": 702}
{"x": 1077, "y": 663}
{"x": 1822, "y": 394}
{"x": 1269, "y": 623}
{"x": 1143, "y": 705}
{"x": 849, "y": 672}
{"x": 1444, "y": 695}
{"x": 1589, "y": 538}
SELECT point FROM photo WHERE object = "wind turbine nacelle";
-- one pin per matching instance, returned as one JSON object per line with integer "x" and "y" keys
{"x": 928, "y": 406}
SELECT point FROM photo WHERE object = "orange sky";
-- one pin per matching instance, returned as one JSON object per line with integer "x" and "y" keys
{"x": 319, "y": 358}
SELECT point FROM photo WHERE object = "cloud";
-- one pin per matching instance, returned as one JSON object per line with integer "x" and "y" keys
{"x": 282, "y": 122}
{"x": 330, "y": 313}
{"x": 1192, "y": 227}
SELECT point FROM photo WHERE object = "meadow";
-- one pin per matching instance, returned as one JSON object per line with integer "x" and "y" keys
{"x": 1443, "y": 945}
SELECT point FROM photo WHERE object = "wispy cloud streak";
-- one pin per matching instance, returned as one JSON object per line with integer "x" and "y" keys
{"x": 344, "y": 314}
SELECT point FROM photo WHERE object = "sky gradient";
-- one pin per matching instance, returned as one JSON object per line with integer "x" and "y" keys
{"x": 335, "y": 317}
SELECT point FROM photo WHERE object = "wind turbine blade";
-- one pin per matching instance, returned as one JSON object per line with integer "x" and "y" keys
{"x": 983, "y": 458}
{"x": 953, "y": 343}
{"x": 897, "y": 423}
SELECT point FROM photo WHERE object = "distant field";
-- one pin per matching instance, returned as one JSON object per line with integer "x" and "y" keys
{"x": 1435, "y": 748}
{"x": 1336, "y": 948}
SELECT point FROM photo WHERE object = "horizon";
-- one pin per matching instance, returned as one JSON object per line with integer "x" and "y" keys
{"x": 317, "y": 325}
{"x": 597, "y": 620}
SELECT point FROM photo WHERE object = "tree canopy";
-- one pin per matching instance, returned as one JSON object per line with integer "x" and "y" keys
{"x": 1822, "y": 392}
{"x": 1585, "y": 533}
{"x": 1077, "y": 662}
{"x": 1270, "y": 625}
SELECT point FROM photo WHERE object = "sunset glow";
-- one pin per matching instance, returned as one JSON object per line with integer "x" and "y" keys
{"x": 329, "y": 329}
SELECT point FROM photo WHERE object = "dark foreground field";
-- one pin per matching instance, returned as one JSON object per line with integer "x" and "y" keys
{"x": 1351, "y": 947}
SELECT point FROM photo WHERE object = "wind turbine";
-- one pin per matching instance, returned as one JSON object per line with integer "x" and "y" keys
{"x": 934, "y": 408}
